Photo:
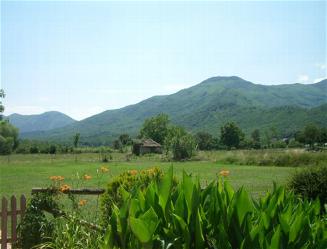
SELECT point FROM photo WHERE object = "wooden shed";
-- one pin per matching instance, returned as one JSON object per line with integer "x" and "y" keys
{"x": 143, "y": 146}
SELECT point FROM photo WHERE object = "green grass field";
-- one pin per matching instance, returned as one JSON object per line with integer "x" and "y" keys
{"x": 20, "y": 173}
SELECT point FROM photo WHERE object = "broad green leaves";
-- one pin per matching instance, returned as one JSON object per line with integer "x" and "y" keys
{"x": 188, "y": 217}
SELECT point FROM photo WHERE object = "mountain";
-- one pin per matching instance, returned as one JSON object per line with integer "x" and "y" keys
{"x": 206, "y": 107}
{"x": 40, "y": 122}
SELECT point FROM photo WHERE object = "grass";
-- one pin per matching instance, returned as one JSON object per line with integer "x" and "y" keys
{"x": 20, "y": 173}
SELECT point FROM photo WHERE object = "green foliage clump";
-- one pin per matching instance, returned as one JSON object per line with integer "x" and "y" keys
{"x": 311, "y": 183}
{"x": 180, "y": 143}
{"x": 156, "y": 128}
{"x": 8, "y": 138}
{"x": 187, "y": 216}
{"x": 205, "y": 141}
{"x": 35, "y": 227}
{"x": 131, "y": 181}
{"x": 231, "y": 135}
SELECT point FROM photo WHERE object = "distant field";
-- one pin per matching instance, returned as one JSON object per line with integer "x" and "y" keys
{"x": 19, "y": 173}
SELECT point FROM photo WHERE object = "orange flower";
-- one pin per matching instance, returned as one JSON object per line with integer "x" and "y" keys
{"x": 56, "y": 178}
{"x": 53, "y": 178}
{"x": 133, "y": 172}
{"x": 224, "y": 173}
{"x": 87, "y": 177}
{"x": 104, "y": 169}
{"x": 82, "y": 202}
{"x": 64, "y": 188}
{"x": 60, "y": 178}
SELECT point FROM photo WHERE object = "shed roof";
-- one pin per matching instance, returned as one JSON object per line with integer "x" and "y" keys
{"x": 147, "y": 142}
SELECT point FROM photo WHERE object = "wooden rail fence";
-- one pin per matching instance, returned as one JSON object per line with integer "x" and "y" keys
{"x": 13, "y": 212}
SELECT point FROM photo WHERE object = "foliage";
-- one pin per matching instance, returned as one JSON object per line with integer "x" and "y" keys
{"x": 281, "y": 158}
{"x": 214, "y": 217}
{"x": 131, "y": 181}
{"x": 52, "y": 149}
{"x": 205, "y": 107}
{"x": 180, "y": 143}
{"x": 156, "y": 128}
{"x": 2, "y": 108}
{"x": 34, "y": 227}
{"x": 125, "y": 139}
{"x": 231, "y": 135}
{"x": 256, "y": 139}
{"x": 312, "y": 134}
{"x": 71, "y": 234}
{"x": 8, "y": 138}
{"x": 311, "y": 183}
{"x": 205, "y": 141}
{"x": 76, "y": 139}
{"x": 117, "y": 145}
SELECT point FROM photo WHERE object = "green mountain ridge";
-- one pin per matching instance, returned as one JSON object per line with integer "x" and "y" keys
{"x": 39, "y": 122}
{"x": 207, "y": 106}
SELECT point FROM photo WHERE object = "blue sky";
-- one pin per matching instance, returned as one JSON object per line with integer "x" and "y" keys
{"x": 81, "y": 57}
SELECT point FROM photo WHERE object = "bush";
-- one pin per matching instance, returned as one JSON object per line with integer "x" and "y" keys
{"x": 310, "y": 183}
{"x": 214, "y": 217}
{"x": 34, "y": 149}
{"x": 131, "y": 181}
{"x": 52, "y": 149}
{"x": 34, "y": 227}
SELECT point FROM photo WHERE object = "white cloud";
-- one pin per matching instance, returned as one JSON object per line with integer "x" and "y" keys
{"x": 319, "y": 79}
{"x": 303, "y": 78}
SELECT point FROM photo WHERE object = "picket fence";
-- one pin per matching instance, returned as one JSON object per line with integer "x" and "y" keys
{"x": 9, "y": 236}
{"x": 8, "y": 231}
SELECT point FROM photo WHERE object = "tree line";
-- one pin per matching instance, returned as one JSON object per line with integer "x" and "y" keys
{"x": 176, "y": 140}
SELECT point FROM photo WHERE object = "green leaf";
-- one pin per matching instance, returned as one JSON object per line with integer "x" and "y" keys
{"x": 165, "y": 189}
{"x": 275, "y": 240}
{"x": 199, "y": 239}
{"x": 144, "y": 226}
{"x": 243, "y": 204}
{"x": 296, "y": 227}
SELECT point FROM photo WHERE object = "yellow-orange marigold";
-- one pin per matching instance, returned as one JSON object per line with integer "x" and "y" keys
{"x": 104, "y": 169}
{"x": 82, "y": 202}
{"x": 224, "y": 173}
{"x": 56, "y": 178}
{"x": 87, "y": 177}
{"x": 64, "y": 188}
{"x": 133, "y": 172}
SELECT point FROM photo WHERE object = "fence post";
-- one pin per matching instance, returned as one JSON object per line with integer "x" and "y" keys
{"x": 22, "y": 207}
{"x": 13, "y": 205}
{"x": 4, "y": 213}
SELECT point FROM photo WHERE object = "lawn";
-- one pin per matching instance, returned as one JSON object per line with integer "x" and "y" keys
{"x": 20, "y": 173}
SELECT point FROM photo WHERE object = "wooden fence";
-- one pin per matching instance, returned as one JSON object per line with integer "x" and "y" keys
{"x": 9, "y": 226}
{"x": 9, "y": 236}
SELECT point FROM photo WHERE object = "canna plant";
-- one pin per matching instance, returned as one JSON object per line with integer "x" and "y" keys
{"x": 189, "y": 217}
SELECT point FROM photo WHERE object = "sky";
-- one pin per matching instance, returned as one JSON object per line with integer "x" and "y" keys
{"x": 84, "y": 57}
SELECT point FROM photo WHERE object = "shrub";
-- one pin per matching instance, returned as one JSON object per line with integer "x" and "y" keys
{"x": 34, "y": 227}
{"x": 131, "y": 181}
{"x": 52, "y": 149}
{"x": 214, "y": 217}
{"x": 311, "y": 183}
{"x": 34, "y": 149}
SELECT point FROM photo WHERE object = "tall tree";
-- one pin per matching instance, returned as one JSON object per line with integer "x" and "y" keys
{"x": 156, "y": 128}
{"x": 204, "y": 140}
{"x": 8, "y": 133}
{"x": 231, "y": 135}
{"x": 75, "y": 142}
{"x": 311, "y": 134}
{"x": 256, "y": 139}
{"x": 2, "y": 108}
